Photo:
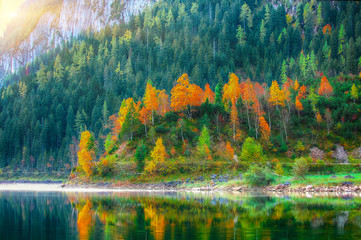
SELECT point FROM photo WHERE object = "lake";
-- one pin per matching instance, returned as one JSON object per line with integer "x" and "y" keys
{"x": 176, "y": 215}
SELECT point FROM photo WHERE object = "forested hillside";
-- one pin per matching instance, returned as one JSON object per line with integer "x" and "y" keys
{"x": 76, "y": 87}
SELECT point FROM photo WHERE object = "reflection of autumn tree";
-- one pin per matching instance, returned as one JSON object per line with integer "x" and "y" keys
{"x": 85, "y": 221}
{"x": 157, "y": 222}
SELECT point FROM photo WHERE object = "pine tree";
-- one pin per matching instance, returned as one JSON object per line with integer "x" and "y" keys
{"x": 140, "y": 155}
{"x": 341, "y": 39}
{"x": 204, "y": 143}
{"x": 241, "y": 36}
{"x": 262, "y": 31}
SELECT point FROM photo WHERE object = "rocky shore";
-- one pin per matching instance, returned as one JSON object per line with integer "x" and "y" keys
{"x": 211, "y": 183}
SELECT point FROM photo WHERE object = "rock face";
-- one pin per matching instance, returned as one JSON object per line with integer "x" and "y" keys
{"x": 340, "y": 154}
{"x": 317, "y": 153}
{"x": 357, "y": 153}
{"x": 57, "y": 21}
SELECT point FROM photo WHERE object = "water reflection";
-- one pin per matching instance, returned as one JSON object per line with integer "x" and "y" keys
{"x": 177, "y": 216}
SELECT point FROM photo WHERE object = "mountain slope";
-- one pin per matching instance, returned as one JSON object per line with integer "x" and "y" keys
{"x": 77, "y": 86}
{"x": 46, "y": 24}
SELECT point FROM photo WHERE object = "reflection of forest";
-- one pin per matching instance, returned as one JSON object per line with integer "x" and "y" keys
{"x": 180, "y": 216}
{"x": 175, "y": 216}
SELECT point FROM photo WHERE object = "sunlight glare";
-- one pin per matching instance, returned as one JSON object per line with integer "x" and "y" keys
{"x": 8, "y": 11}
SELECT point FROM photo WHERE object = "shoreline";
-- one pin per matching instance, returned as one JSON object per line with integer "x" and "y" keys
{"x": 54, "y": 186}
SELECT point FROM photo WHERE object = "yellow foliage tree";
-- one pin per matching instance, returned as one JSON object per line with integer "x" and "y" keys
{"x": 277, "y": 96}
{"x": 86, "y": 152}
{"x": 232, "y": 90}
{"x": 157, "y": 160}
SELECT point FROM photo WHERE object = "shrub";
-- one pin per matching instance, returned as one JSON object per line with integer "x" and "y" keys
{"x": 106, "y": 167}
{"x": 161, "y": 129}
{"x": 279, "y": 169}
{"x": 259, "y": 176}
{"x": 300, "y": 168}
{"x": 353, "y": 160}
{"x": 251, "y": 150}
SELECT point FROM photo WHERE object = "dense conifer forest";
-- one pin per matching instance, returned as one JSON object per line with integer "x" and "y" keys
{"x": 191, "y": 81}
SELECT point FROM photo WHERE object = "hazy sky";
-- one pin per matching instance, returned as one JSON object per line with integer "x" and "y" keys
{"x": 8, "y": 10}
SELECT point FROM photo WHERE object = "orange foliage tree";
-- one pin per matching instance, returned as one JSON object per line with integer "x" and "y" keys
{"x": 86, "y": 153}
{"x": 229, "y": 151}
{"x": 151, "y": 99}
{"x": 234, "y": 120}
{"x": 325, "y": 87}
{"x": 208, "y": 94}
{"x": 144, "y": 116}
{"x": 327, "y": 29}
{"x": 184, "y": 96}
{"x": 298, "y": 105}
{"x": 163, "y": 101}
{"x": 179, "y": 94}
{"x": 195, "y": 97}
{"x": 265, "y": 130}
{"x": 296, "y": 85}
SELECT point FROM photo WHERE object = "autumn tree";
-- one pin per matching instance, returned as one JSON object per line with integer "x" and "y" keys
{"x": 229, "y": 151}
{"x": 354, "y": 93}
{"x": 163, "y": 101}
{"x": 195, "y": 96}
{"x": 157, "y": 158}
{"x": 232, "y": 90}
{"x": 277, "y": 96}
{"x": 298, "y": 105}
{"x": 265, "y": 130}
{"x": 186, "y": 96}
{"x": 86, "y": 153}
{"x": 144, "y": 116}
{"x": 208, "y": 94}
{"x": 128, "y": 115}
{"x": 179, "y": 94}
{"x": 234, "y": 120}
{"x": 325, "y": 88}
{"x": 151, "y": 99}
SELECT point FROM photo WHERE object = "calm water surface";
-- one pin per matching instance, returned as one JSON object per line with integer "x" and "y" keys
{"x": 60, "y": 215}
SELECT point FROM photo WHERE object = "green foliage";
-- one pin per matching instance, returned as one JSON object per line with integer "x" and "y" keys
{"x": 300, "y": 168}
{"x": 251, "y": 151}
{"x": 110, "y": 145}
{"x": 87, "y": 78}
{"x": 140, "y": 155}
{"x": 354, "y": 160}
{"x": 259, "y": 176}
{"x": 106, "y": 167}
{"x": 204, "y": 142}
